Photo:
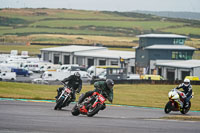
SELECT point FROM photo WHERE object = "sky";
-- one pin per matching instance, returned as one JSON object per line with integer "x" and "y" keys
{"x": 107, "y": 5}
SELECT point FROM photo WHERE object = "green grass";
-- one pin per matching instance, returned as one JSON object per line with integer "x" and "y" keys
{"x": 196, "y": 55}
{"x": 137, "y": 95}
{"x": 32, "y": 49}
{"x": 182, "y": 117}
{"x": 144, "y": 25}
{"x": 33, "y": 14}
{"x": 28, "y": 31}
{"x": 52, "y": 39}
{"x": 184, "y": 30}
{"x": 58, "y": 21}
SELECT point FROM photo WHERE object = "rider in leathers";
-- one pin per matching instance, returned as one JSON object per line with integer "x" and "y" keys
{"x": 187, "y": 87}
{"x": 106, "y": 87}
{"x": 74, "y": 82}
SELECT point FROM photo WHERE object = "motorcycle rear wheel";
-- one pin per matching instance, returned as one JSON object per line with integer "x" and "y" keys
{"x": 75, "y": 111}
{"x": 168, "y": 107}
{"x": 185, "y": 110}
{"x": 93, "y": 111}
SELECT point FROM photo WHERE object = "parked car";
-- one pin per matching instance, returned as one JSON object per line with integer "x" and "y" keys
{"x": 152, "y": 77}
{"x": 192, "y": 78}
{"x": 20, "y": 71}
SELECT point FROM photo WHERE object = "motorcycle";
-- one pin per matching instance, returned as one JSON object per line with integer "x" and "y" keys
{"x": 64, "y": 98}
{"x": 176, "y": 102}
{"x": 90, "y": 105}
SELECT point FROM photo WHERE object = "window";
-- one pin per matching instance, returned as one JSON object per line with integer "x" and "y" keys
{"x": 142, "y": 41}
{"x": 114, "y": 63}
{"x": 56, "y": 58}
{"x": 181, "y": 55}
{"x": 179, "y": 41}
{"x": 80, "y": 61}
{"x": 66, "y": 59}
{"x": 102, "y": 62}
{"x": 46, "y": 57}
{"x": 116, "y": 71}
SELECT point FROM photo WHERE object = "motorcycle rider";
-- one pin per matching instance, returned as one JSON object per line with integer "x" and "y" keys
{"x": 107, "y": 91}
{"x": 74, "y": 82}
{"x": 187, "y": 87}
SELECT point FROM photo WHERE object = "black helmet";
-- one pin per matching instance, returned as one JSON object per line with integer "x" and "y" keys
{"x": 110, "y": 83}
{"x": 77, "y": 75}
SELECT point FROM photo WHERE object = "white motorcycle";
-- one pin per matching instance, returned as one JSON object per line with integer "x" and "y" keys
{"x": 176, "y": 102}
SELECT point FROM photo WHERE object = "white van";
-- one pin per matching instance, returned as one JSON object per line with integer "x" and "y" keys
{"x": 51, "y": 76}
{"x": 94, "y": 70}
{"x": 65, "y": 68}
{"x": 31, "y": 67}
{"x": 49, "y": 67}
{"x": 7, "y": 76}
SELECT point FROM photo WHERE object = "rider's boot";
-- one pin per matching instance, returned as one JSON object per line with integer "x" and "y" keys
{"x": 59, "y": 90}
{"x": 103, "y": 106}
{"x": 58, "y": 94}
{"x": 81, "y": 98}
{"x": 186, "y": 104}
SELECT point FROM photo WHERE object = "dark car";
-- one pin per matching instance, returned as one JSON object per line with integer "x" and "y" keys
{"x": 20, "y": 71}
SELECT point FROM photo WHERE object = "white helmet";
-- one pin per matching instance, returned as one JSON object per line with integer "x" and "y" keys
{"x": 186, "y": 82}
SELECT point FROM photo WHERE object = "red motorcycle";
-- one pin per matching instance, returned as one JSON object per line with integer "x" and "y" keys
{"x": 90, "y": 106}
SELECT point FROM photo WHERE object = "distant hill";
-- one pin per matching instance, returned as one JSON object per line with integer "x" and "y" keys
{"x": 184, "y": 15}
{"x": 53, "y": 25}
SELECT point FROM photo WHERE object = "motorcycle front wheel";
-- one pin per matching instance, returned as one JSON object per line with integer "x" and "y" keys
{"x": 59, "y": 103}
{"x": 168, "y": 107}
{"x": 75, "y": 111}
{"x": 185, "y": 110}
{"x": 93, "y": 111}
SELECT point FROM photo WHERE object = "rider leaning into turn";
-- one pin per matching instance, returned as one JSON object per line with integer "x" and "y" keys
{"x": 187, "y": 87}
{"x": 105, "y": 86}
{"x": 74, "y": 82}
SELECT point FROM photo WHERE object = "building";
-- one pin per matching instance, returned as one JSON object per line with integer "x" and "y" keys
{"x": 89, "y": 56}
{"x": 178, "y": 70}
{"x": 166, "y": 47}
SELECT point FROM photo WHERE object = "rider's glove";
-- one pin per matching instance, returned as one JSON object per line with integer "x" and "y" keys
{"x": 110, "y": 100}
{"x": 63, "y": 82}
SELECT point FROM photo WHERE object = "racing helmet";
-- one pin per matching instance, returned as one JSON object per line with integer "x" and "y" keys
{"x": 186, "y": 82}
{"x": 77, "y": 75}
{"x": 110, "y": 83}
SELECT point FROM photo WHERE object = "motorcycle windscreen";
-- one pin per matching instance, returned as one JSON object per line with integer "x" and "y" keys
{"x": 101, "y": 98}
{"x": 68, "y": 90}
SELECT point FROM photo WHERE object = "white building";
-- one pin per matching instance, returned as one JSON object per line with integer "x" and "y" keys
{"x": 89, "y": 56}
{"x": 178, "y": 69}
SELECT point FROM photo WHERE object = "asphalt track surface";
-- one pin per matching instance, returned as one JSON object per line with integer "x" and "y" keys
{"x": 39, "y": 117}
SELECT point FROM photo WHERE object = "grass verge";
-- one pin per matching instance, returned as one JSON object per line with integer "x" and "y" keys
{"x": 127, "y": 94}
{"x": 182, "y": 117}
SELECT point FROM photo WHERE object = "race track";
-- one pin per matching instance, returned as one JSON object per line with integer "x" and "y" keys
{"x": 39, "y": 117}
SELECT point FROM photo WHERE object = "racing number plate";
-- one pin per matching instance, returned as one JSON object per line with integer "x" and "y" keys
{"x": 68, "y": 90}
{"x": 101, "y": 98}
